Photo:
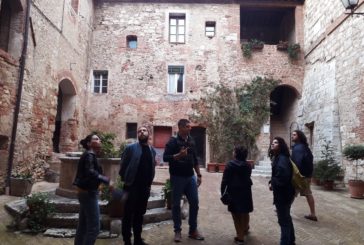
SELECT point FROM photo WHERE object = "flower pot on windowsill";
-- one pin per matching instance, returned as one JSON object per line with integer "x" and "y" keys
{"x": 257, "y": 46}
{"x": 282, "y": 46}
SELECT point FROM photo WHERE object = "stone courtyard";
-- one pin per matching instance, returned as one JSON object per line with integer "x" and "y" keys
{"x": 341, "y": 219}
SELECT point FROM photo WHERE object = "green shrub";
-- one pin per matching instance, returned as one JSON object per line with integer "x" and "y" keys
{"x": 354, "y": 153}
{"x": 39, "y": 209}
{"x": 327, "y": 168}
{"x": 107, "y": 144}
{"x": 293, "y": 51}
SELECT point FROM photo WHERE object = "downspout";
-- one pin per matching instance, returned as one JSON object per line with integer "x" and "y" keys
{"x": 18, "y": 97}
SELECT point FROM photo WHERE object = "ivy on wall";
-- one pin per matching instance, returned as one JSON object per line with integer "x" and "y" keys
{"x": 234, "y": 116}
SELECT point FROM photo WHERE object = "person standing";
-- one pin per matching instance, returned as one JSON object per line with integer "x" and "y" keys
{"x": 88, "y": 178}
{"x": 302, "y": 157}
{"x": 283, "y": 190}
{"x": 137, "y": 171}
{"x": 180, "y": 153}
{"x": 236, "y": 179}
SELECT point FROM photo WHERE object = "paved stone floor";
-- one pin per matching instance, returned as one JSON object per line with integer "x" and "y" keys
{"x": 341, "y": 219}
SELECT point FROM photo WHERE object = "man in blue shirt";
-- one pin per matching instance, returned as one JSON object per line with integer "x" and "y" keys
{"x": 180, "y": 152}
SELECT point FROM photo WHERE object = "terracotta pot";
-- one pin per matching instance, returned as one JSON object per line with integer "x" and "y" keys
{"x": 251, "y": 163}
{"x": 212, "y": 167}
{"x": 356, "y": 189}
{"x": 221, "y": 167}
{"x": 328, "y": 185}
{"x": 257, "y": 46}
{"x": 20, "y": 187}
{"x": 316, "y": 181}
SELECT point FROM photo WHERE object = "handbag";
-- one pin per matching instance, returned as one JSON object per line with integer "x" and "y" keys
{"x": 298, "y": 180}
{"x": 225, "y": 197}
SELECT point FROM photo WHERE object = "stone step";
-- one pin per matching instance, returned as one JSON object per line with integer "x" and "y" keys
{"x": 69, "y": 233}
{"x": 68, "y": 205}
{"x": 70, "y": 220}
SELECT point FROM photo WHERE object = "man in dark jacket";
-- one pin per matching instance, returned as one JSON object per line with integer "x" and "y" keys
{"x": 180, "y": 152}
{"x": 302, "y": 156}
{"x": 137, "y": 171}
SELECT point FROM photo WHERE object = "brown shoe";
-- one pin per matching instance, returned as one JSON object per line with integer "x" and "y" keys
{"x": 177, "y": 236}
{"x": 196, "y": 236}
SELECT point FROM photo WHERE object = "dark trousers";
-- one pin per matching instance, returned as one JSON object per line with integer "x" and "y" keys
{"x": 135, "y": 208}
{"x": 88, "y": 222}
{"x": 286, "y": 224}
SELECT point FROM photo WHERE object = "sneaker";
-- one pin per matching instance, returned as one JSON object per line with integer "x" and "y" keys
{"x": 196, "y": 236}
{"x": 177, "y": 236}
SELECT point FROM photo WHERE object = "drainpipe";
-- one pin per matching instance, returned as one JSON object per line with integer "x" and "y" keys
{"x": 18, "y": 97}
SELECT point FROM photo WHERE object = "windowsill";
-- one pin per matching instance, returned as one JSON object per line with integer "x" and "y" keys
{"x": 175, "y": 97}
{"x": 7, "y": 57}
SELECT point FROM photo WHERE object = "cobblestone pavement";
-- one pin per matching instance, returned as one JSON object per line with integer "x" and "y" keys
{"x": 341, "y": 219}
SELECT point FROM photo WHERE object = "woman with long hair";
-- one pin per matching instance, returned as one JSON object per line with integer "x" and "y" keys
{"x": 237, "y": 182}
{"x": 88, "y": 178}
{"x": 283, "y": 190}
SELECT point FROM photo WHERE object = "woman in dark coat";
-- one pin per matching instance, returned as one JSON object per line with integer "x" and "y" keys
{"x": 88, "y": 178}
{"x": 283, "y": 190}
{"x": 236, "y": 178}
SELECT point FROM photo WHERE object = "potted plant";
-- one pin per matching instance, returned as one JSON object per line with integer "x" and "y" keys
{"x": 293, "y": 50}
{"x": 282, "y": 46}
{"x": 355, "y": 153}
{"x": 327, "y": 169}
{"x": 21, "y": 182}
{"x": 253, "y": 44}
{"x": 234, "y": 116}
{"x": 257, "y": 44}
{"x": 167, "y": 193}
{"x": 39, "y": 209}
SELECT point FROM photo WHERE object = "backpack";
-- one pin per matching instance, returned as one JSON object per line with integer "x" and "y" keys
{"x": 298, "y": 180}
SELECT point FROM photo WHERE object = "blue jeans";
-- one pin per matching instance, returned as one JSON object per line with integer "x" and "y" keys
{"x": 88, "y": 222}
{"x": 188, "y": 186}
{"x": 286, "y": 224}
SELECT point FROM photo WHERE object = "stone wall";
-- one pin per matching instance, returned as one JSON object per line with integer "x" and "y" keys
{"x": 333, "y": 83}
{"x": 138, "y": 77}
{"x": 58, "y": 41}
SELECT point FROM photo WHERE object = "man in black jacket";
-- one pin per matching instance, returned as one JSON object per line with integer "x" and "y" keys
{"x": 137, "y": 171}
{"x": 180, "y": 152}
{"x": 302, "y": 156}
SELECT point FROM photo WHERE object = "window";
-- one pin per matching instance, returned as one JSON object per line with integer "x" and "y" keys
{"x": 131, "y": 131}
{"x": 177, "y": 23}
{"x": 100, "y": 82}
{"x": 175, "y": 79}
{"x": 5, "y": 17}
{"x": 74, "y": 4}
{"x": 132, "y": 41}
{"x": 210, "y": 28}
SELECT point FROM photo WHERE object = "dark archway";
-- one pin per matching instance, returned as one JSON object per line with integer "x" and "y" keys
{"x": 282, "y": 109}
{"x": 63, "y": 135}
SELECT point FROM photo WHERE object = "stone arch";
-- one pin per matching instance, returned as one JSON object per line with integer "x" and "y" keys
{"x": 284, "y": 102}
{"x": 66, "y": 124}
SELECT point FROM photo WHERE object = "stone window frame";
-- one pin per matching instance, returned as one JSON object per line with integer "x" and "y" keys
{"x": 177, "y": 35}
{"x": 100, "y": 87}
{"x": 130, "y": 40}
{"x": 210, "y": 29}
{"x": 174, "y": 76}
